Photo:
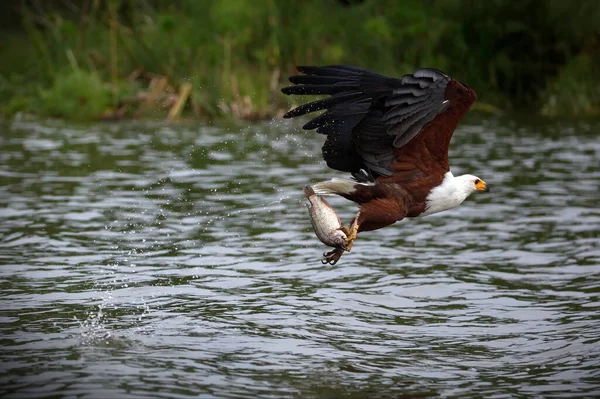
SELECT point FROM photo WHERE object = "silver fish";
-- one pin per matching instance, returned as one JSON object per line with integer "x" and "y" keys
{"x": 325, "y": 220}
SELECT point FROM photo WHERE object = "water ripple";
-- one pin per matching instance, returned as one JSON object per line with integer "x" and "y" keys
{"x": 149, "y": 260}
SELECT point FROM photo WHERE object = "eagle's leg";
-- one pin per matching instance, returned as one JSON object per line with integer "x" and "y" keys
{"x": 351, "y": 232}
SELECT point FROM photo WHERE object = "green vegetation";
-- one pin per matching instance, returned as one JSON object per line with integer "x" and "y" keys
{"x": 92, "y": 59}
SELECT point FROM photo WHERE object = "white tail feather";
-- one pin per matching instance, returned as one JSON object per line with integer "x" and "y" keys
{"x": 335, "y": 186}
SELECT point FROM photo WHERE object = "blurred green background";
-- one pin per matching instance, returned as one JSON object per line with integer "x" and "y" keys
{"x": 94, "y": 59}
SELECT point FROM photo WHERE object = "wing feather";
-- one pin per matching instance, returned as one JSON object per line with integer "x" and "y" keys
{"x": 370, "y": 117}
{"x": 323, "y": 104}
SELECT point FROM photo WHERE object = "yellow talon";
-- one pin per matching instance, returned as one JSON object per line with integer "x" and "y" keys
{"x": 351, "y": 233}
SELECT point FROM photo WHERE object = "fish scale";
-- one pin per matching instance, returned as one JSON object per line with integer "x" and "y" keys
{"x": 326, "y": 222}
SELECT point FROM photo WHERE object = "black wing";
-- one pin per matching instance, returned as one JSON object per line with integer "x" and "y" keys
{"x": 368, "y": 114}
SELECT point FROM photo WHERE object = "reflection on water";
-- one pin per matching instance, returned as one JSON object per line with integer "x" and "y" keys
{"x": 145, "y": 260}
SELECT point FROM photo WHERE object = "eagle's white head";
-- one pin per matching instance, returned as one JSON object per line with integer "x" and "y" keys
{"x": 452, "y": 192}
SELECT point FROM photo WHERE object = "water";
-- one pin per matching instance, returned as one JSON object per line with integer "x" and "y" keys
{"x": 153, "y": 261}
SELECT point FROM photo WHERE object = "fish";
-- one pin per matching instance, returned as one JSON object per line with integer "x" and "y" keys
{"x": 325, "y": 221}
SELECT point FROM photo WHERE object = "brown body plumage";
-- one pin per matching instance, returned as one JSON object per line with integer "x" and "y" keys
{"x": 392, "y": 135}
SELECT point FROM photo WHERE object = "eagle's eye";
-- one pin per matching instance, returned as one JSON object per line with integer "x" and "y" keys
{"x": 477, "y": 181}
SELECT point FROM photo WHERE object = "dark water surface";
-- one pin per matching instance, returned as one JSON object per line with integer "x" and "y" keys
{"x": 151, "y": 261}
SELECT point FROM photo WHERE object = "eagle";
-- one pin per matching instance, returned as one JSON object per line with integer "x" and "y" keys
{"x": 392, "y": 136}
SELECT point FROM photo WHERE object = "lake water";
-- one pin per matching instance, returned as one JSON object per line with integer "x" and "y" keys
{"x": 143, "y": 260}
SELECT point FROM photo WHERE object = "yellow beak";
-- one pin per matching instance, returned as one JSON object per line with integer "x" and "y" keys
{"x": 482, "y": 186}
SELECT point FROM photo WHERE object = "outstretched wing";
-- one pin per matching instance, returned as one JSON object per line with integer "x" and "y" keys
{"x": 369, "y": 117}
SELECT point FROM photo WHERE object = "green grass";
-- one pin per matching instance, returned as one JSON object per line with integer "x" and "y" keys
{"x": 96, "y": 58}
{"x": 79, "y": 94}
{"x": 575, "y": 91}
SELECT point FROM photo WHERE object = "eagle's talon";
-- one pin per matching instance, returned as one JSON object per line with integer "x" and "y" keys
{"x": 333, "y": 256}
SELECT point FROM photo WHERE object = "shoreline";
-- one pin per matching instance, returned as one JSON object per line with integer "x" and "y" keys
{"x": 117, "y": 60}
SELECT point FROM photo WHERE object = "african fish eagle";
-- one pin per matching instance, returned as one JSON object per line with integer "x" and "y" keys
{"x": 392, "y": 136}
